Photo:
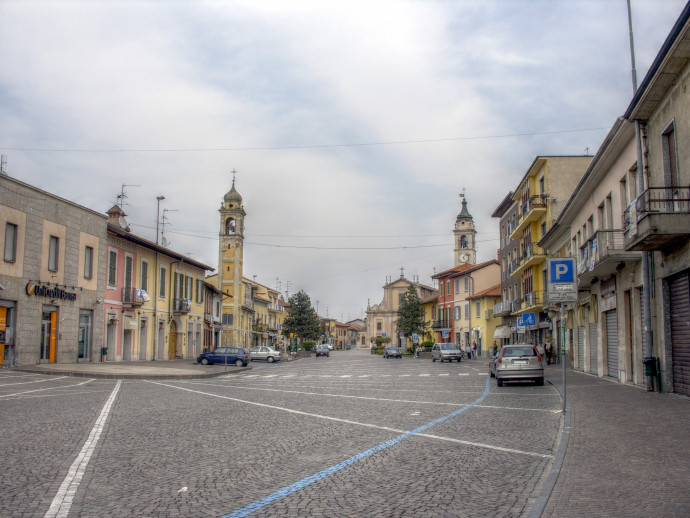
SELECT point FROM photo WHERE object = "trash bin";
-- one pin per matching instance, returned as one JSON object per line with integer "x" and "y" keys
{"x": 104, "y": 353}
{"x": 650, "y": 365}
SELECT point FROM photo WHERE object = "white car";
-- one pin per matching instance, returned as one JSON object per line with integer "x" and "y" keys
{"x": 265, "y": 354}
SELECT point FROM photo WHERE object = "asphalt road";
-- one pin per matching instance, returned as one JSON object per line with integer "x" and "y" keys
{"x": 349, "y": 435}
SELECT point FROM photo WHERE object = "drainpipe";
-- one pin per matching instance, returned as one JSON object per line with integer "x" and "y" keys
{"x": 647, "y": 345}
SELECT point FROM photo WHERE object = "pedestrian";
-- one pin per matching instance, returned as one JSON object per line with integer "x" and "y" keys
{"x": 468, "y": 351}
{"x": 540, "y": 350}
{"x": 494, "y": 351}
{"x": 474, "y": 350}
{"x": 548, "y": 353}
{"x": 416, "y": 352}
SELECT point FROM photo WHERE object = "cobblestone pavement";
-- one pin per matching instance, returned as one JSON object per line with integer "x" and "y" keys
{"x": 349, "y": 435}
{"x": 628, "y": 453}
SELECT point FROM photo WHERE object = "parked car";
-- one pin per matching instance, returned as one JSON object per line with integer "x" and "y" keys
{"x": 518, "y": 362}
{"x": 322, "y": 350}
{"x": 330, "y": 347}
{"x": 230, "y": 355}
{"x": 265, "y": 354}
{"x": 446, "y": 351}
{"x": 392, "y": 352}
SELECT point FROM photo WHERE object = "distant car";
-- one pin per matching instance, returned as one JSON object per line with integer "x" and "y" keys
{"x": 264, "y": 353}
{"x": 446, "y": 351}
{"x": 322, "y": 350}
{"x": 330, "y": 347}
{"x": 230, "y": 355}
{"x": 392, "y": 352}
{"x": 518, "y": 362}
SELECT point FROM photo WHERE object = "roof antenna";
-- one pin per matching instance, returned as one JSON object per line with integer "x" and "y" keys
{"x": 3, "y": 164}
{"x": 121, "y": 197}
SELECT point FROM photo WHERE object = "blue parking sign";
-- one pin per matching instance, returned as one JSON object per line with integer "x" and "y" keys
{"x": 561, "y": 284}
{"x": 562, "y": 270}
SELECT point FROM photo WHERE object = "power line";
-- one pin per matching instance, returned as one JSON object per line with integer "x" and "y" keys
{"x": 308, "y": 146}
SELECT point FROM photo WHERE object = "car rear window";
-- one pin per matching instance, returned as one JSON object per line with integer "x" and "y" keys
{"x": 519, "y": 351}
{"x": 448, "y": 347}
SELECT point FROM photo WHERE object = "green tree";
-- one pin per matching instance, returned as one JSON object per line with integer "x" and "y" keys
{"x": 301, "y": 318}
{"x": 411, "y": 313}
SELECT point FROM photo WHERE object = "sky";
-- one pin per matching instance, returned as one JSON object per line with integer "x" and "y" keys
{"x": 353, "y": 127}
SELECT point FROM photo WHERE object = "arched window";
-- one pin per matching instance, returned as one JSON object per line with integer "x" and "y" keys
{"x": 463, "y": 242}
{"x": 229, "y": 226}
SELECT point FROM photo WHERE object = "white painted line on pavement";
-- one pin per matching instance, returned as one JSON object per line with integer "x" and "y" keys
{"x": 50, "y": 388}
{"x": 34, "y": 381}
{"x": 463, "y": 374}
{"x": 62, "y": 503}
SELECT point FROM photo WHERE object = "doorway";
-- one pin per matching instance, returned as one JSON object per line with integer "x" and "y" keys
{"x": 84, "y": 342}
{"x": 172, "y": 346}
{"x": 48, "y": 335}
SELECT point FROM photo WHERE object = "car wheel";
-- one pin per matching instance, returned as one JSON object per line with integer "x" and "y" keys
{"x": 270, "y": 359}
{"x": 539, "y": 382}
{"x": 204, "y": 361}
{"x": 499, "y": 382}
{"x": 491, "y": 374}
{"x": 239, "y": 363}
{"x": 433, "y": 360}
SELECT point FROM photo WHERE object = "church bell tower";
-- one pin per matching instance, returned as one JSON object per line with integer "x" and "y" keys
{"x": 230, "y": 261}
{"x": 464, "y": 236}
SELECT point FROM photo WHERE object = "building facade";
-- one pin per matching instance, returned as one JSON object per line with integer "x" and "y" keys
{"x": 52, "y": 277}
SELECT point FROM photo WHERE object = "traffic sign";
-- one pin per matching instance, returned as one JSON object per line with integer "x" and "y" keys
{"x": 383, "y": 335}
{"x": 529, "y": 319}
{"x": 561, "y": 284}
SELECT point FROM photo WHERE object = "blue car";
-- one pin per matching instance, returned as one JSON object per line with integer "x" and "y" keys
{"x": 230, "y": 355}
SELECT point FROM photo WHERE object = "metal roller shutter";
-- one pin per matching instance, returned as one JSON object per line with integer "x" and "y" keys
{"x": 612, "y": 343}
{"x": 580, "y": 348}
{"x": 679, "y": 290}
{"x": 593, "y": 348}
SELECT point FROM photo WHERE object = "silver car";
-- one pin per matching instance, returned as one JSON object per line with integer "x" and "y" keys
{"x": 445, "y": 352}
{"x": 518, "y": 362}
{"x": 265, "y": 353}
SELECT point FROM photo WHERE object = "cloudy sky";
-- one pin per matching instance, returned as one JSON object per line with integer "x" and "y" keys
{"x": 353, "y": 126}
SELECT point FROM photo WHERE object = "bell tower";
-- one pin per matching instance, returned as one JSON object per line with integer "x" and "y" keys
{"x": 230, "y": 260}
{"x": 464, "y": 236}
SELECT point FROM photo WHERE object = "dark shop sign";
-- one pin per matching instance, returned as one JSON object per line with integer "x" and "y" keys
{"x": 47, "y": 291}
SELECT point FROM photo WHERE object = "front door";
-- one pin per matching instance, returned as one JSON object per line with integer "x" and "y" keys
{"x": 84, "y": 346}
{"x": 172, "y": 346}
{"x": 45, "y": 340}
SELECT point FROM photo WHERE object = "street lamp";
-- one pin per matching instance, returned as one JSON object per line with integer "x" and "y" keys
{"x": 155, "y": 282}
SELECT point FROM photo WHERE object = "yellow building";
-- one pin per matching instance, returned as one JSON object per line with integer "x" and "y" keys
{"x": 484, "y": 322}
{"x": 541, "y": 195}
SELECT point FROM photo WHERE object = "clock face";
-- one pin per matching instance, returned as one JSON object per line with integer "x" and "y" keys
{"x": 464, "y": 258}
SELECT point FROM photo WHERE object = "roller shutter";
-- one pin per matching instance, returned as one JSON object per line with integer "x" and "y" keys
{"x": 593, "y": 348}
{"x": 679, "y": 291}
{"x": 580, "y": 348}
{"x": 612, "y": 343}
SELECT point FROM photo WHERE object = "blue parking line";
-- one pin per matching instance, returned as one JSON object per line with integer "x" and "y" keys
{"x": 244, "y": 511}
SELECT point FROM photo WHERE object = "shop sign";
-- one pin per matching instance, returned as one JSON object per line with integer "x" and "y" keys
{"x": 47, "y": 291}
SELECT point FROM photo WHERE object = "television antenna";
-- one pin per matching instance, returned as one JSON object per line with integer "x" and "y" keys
{"x": 121, "y": 197}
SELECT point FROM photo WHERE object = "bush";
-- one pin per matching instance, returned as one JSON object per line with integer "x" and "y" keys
{"x": 427, "y": 346}
{"x": 308, "y": 346}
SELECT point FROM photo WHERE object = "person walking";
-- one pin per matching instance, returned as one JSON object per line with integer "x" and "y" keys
{"x": 548, "y": 353}
{"x": 494, "y": 351}
{"x": 540, "y": 350}
{"x": 474, "y": 350}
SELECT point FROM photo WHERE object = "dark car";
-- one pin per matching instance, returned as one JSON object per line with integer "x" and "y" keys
{"x": 322, "y": 350}
{"x": 517, "y": 362}
{"x": 392, "y": 352}
{"x": 230, "y": 355}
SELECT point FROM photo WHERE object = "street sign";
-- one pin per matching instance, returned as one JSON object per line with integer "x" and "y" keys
{"x": 444, "y": 333}
{"x": 415, "y": 338}
{"x": 383, "y": 335}
{"x": 529, "y": 319}
{"x": 561, "y": 284}
{"x": 520, "y": 325}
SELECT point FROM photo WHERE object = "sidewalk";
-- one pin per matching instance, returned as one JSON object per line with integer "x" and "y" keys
{"x": 627, "y": 452}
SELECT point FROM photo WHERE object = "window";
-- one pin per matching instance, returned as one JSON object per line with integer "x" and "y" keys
{"x": 467, "y": 310}
{"x": 112, "y": 268}
{"x": 88, "y": 262}
{"x": 189, "y": 287}
{"x": 670, "y": 157}
{"x": 161, "y": 283}
{"x": 441, "y": 288}
{"x": 457, "y": 285}
{"x": 478, "y": 309}
{"x": 199, "y": 290}
{"x": 467, "y": 284}
{"x": 378, "y": 326}
{"x": 144, "y": 276}
{"x": 129, "y": 267}
{"x": 541, "y": 185}
{"x": 448, "y": 288}
{"x": 53, "y": 250}
{"x": 10, "y": 242}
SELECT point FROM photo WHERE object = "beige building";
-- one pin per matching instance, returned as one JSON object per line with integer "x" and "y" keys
{"x": 382, "y": 318}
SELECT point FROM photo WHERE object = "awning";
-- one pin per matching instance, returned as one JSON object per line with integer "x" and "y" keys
{"x": 130, "y": 323}
{"x": 502, "y": 332}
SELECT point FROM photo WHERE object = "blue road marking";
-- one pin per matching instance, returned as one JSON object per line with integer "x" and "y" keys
{"x": 277, "y": 495}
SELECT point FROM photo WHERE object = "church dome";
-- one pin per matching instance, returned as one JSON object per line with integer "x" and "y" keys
{"x": 233, "y": 195}
{"x": 464, "y": 213}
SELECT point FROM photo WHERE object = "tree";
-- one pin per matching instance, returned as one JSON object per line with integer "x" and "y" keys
{"x": 411, "y": 313}
{"x": 301, "y": 318}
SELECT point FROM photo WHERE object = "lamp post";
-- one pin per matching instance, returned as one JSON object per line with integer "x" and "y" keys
{"x": 155, "y": 287}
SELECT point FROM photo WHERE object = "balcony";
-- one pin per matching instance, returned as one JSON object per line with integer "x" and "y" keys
{"x": 134, "y": 296}
{"x": 603, "y": 255}
{"x": 658, "y": 219}
{"x": 532, "y": 210}
{"x": 502, "y": 308}
{"x": 182, "y": 305}
{"x": 439, "y": 325}
{"x": 531, "y": 255}
{"x": 535, "y": 301}
{"x": 516, "y": 306}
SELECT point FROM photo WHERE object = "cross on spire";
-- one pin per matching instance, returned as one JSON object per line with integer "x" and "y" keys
{"x": 402, "y": 272}
{"x": 233, "y": 176}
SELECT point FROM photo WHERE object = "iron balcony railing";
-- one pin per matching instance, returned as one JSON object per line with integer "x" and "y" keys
{"x": 502, "y": 308}
{"x": 538, "y": 201}
{"x": 440, "y": 324}
{"x": 182, "y": 305}
{"x": 134, "y": 296}
{"x": 536, "y": 298}
{"x": 656, "y": 200}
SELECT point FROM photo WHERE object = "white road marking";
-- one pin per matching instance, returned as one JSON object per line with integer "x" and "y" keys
{"x": 62, "y": 503}
{"x": 357, "y": 423}
{"x": 34, "y": 381}
{"x": 50, "y": 388}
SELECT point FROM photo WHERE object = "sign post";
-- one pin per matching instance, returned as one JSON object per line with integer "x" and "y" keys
{"x": 561, "y": 288}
